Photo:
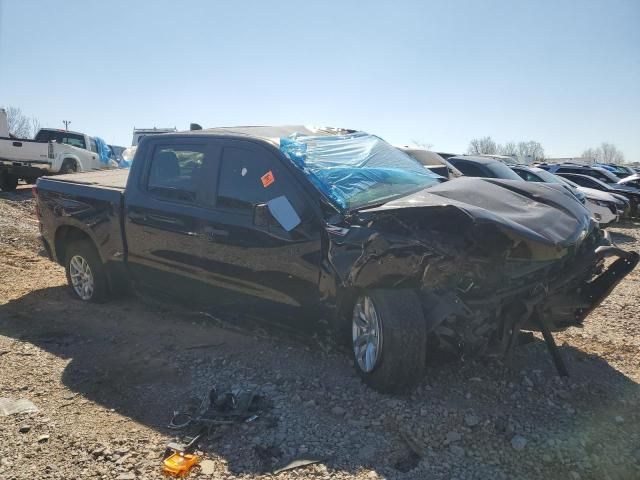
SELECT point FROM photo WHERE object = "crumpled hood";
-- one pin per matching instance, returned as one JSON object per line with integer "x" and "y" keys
{"x": 533, "y": 211}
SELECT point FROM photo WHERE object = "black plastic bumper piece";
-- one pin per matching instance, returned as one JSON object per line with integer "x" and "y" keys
{"x": 597, "y": 290}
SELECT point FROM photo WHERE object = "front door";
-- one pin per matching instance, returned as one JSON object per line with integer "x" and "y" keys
{"x": 261, "y": 238}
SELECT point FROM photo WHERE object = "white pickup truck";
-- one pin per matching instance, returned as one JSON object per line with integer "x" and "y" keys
{"x": 51, "y": 151}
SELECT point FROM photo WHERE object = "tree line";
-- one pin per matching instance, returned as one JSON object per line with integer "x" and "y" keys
{"x": 532, "y": 151}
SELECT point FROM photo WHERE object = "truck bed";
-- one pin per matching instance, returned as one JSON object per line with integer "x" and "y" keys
{"x": 90, "y": 202}
{"x": 112, "y": 179}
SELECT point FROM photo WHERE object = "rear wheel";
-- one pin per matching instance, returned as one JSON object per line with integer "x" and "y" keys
{"x": 68, "y": 166}
{"x": 389, "y": 338}
{"x": 8, "y": 182}
{"x": 86, "y": 276}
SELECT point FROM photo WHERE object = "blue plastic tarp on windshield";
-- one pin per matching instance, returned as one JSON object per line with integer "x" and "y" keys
{"x": 355, "y": 168}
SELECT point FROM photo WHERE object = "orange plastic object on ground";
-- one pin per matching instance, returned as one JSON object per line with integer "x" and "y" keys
{"x": 179, "y": 464}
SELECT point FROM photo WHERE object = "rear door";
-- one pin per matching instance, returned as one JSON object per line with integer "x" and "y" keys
{"x": 164, "y": 212}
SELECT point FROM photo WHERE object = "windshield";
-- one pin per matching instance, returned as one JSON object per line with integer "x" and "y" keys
{"x": 356, "y": 170}
{"x": 500, "y": 170}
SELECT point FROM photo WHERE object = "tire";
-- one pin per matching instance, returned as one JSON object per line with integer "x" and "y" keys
{"x": 401, "y": 354}
{"x": 68, "y": 166}
{"x": 79, "y": 254}
{"x": 8, "y": 182}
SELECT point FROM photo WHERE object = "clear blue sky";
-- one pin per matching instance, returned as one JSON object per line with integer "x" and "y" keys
{"x": 564, "y": 73}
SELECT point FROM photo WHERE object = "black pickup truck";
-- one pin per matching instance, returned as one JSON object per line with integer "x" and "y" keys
{"x": 307, "y": 224}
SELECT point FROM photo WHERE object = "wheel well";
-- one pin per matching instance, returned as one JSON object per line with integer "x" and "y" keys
{"x": 64, "y": 236}
{"x": 341, "y": 322}
{"x": 72, "y": 161}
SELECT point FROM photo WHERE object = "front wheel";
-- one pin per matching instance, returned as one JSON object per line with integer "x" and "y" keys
{"x": 85, "y": 272}
{"x": 389, "y": 338}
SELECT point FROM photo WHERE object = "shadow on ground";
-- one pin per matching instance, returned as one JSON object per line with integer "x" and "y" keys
{"x": 143, "y": 360}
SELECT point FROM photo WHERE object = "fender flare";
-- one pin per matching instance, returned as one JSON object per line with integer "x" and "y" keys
{"x": 76, "y": 225}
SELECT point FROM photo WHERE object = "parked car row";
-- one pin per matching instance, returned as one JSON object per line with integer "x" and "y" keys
{"x": 299, "y": 224}
{"x": 606, "y": 196}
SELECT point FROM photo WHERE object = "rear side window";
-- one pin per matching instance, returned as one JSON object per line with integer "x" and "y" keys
{"x": 470, "y": 169}
{"x": 528, "y": 176}
{"x": 247, "y": 178}
{"x": 61, "y": 136}
{"x": 584, "y": 182}
{"x": 71, "y": 139}
{"x": 600, "y": 176}
{"x": 175, "y": 171}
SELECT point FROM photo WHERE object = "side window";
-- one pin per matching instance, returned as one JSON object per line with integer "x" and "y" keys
{"x": 72, "y": 139}
{"x": 470, "y": 169}
{"x": 92, "y": 145}
{"x": 601, "y": 177}
{"x": 528, "y": 176}
{"x": 247, "y": 178}
{"x": 585, "y": 182}
{"x": 174, "y": 171}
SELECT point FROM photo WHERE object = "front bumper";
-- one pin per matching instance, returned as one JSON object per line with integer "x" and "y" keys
{"x": 484, "y": 321}
{"x": 565, "y": 303}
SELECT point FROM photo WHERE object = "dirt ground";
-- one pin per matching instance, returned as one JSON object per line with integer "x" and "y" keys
{"x": 106, "y": 379}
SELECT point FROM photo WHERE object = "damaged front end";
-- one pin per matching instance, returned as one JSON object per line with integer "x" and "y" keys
{"x": 488, "y": 260}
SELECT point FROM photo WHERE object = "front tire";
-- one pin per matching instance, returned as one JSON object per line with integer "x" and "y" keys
{"x": 86, "y": 275}
{"x": 389, "y": 339}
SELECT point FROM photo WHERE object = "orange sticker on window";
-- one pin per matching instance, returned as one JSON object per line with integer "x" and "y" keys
{"x": 267, "y": 179}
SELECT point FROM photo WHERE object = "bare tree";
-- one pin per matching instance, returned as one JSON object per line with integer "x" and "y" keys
{"x": 35, "y": 126}
{"x": 610, "y": 154}
{"x": 482, "y": 146}
{"x": 530, "y": 151}
{"x": 605, "y": 153}
{"x": 591, "y": 153}
{"x": 20, "y": 125}
{"x": 509, "y": 148}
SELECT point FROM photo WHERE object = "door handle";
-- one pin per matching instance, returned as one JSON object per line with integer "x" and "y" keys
{"x": 17, "y": 144}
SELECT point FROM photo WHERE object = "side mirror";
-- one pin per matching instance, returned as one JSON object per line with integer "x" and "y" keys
{"x": 194, "y": 126}
{"x": 261, "y": 215}
{"x": 277, "y": 211}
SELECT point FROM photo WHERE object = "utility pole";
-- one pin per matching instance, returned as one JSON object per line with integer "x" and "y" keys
{"x": 66, "y": 124}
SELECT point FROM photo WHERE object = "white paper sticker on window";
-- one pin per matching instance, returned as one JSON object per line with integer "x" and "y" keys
{"x": 284, "y": 213}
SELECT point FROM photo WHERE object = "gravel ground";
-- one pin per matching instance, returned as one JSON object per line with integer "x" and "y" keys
{"x": 106, "y": 379}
